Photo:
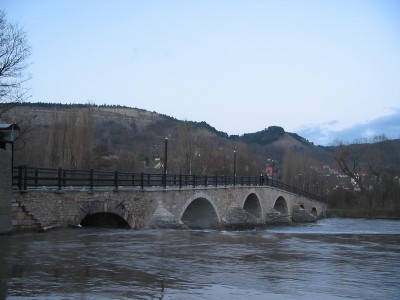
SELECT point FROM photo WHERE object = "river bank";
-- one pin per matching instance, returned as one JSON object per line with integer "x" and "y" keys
{"x": 383, "y": 214}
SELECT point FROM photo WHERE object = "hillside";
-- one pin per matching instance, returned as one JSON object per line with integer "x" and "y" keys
{"x": 131, "y": 139}
{"x": 114, "y": 137}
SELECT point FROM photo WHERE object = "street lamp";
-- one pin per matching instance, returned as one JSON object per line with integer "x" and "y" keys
{"x": 165, "y": 161}
{"x": 8, "y": 133}
{"x": 165, "y": 156}
{"x": 234, "y": 167}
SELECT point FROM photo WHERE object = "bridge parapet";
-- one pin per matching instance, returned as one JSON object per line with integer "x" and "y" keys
{"x": 26, "y": 178}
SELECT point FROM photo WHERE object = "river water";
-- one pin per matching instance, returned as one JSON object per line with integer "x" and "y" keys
{"x": 331, "y": 259}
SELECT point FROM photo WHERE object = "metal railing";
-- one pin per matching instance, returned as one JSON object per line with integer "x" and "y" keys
{"x": 26, "y": 178}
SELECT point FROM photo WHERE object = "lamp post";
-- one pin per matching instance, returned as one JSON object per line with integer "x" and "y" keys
{"x": 165, "y": 161}
{"x": 273, "y": 170}
{"x": 234, "y": 167}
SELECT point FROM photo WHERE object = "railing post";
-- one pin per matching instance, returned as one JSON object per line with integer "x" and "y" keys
{"x": 19, "y": 177}
{"x": 59, "y": 178}
{"x": 91, "y": 179}
{"x": 25, "y": 177}
{"x": 64, "y": 178}
{"x": 116, "y": 180}
{"x": 205, "y": 181}
{"x": 133, "y": 180}
{"x": 194, "y": 180}
{"x": 180, "y": 180}
{"x": 216, "y": 180}
{"x": 226, "y": 180}
{"x": 36, "y": 178}
{"x": 141, "y": 180}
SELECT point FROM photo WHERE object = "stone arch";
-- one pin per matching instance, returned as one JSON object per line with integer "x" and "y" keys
{"x": 281, "y": 206}
{"x": 200, "y": 214}
{"x": 314, "y": 211}
{"x": 104, "y": 219}
{"x": 105, "y": 210}
{"x": 252, "y": 205}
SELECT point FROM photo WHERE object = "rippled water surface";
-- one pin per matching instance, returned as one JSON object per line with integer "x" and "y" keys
{"x": 331, "y": 259}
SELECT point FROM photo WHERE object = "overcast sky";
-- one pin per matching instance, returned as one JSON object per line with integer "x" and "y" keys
{"x": 316, "y": 68}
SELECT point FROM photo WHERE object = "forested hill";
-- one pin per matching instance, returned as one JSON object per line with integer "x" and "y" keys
{"x": 106, "y": 136}
{"x": 263, "y": 137}
{"x": 113, "y": 130}
{"x": 270, "y": 135}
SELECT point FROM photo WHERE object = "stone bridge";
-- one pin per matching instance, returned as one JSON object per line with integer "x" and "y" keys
{"x": 42, "y": 199}
{"x": 155, "y": 207}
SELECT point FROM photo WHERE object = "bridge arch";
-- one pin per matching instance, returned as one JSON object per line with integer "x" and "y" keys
{"x": 314, "y": 211}
{"x": 104, "y": 214}
{"x": 200, "y": 213}
{"x": 104, "y": 219}
{"x": 252, "y": 205}
{"x": 281, "y": 206}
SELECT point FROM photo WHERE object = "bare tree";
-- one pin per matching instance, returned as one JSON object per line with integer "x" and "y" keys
{"x": 84, "y": 136}
{"x": 300, "y": 170}
{"x": 349, "y": 164}
{"x": 77, "y": 138}
{"x": 367, "y": 171}
{"x": 53, "y": 144}
{"x": 290, "y": 168}
{"x": 14, "y": 52}
{"x": 69, "y": 142}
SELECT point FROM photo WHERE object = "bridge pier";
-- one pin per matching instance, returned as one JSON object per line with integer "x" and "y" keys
{"x": 5, "y": 191}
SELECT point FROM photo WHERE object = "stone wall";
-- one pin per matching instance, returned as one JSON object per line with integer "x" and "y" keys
{"x": 45, "y": 209}
{"x": 22, "y": 219}
{"x": 5, "y": 191}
